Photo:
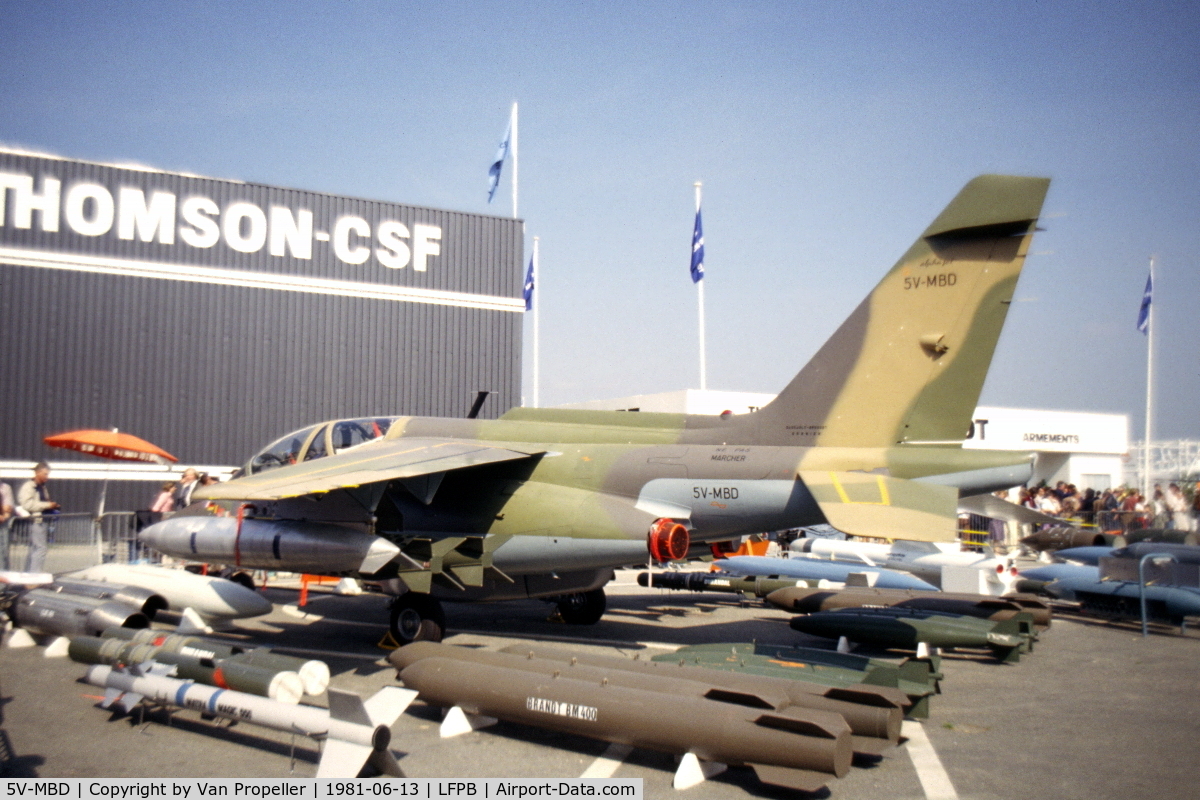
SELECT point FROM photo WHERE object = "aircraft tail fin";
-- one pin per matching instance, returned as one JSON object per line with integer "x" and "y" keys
{"x": 909, "y": 363}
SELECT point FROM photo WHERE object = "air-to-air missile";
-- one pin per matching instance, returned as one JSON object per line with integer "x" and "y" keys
{"x": 718, "y": 582}
{"x": 810, "y": 601}
{"x": 817, "y": 569}
{"x": 795, "y": 747}
{"x": 210, "y": 597}
{"x": 873, "y": 731}
{"x": 906, "y": 629}
{"x": 282, "y": 685}
{"x": 943, "y": 564}
{"x": 1061, "y": 537}
{"x": 355, "y": 733}
{"x": 47, "y": 611}
{"x": 314, "y": 674}
{"x": 916, "y": 677}
{"x": 870, "y": 710}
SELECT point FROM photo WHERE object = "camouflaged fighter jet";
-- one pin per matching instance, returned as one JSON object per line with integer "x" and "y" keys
{"x": 547, "y": 502}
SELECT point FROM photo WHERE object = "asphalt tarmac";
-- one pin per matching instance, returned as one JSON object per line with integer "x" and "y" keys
{"x": 1096, "y": 711}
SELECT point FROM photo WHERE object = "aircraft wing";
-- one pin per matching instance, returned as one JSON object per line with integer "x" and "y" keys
{"x": 371, "y": 463}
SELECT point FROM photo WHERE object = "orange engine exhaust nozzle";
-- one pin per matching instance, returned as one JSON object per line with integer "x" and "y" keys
{"x": 668, "y": 540}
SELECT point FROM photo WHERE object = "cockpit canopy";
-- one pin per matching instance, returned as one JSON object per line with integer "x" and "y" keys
{"x": 318, "y": 441}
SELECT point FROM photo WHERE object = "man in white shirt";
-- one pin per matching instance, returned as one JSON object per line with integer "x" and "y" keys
{"x": 34, "y": 497}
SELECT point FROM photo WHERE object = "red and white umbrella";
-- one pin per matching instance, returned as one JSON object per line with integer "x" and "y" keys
{"x": 112, "y": 445}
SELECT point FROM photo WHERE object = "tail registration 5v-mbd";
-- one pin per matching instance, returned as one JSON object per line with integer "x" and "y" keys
{"x": 548, "y": 502}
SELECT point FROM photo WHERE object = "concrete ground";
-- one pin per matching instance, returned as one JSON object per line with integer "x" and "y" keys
{"x": 1095, "y": 712}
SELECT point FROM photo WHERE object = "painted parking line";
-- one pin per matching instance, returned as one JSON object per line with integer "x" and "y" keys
{"x": 930, "y": 771}
{"x": 607, "y": 763}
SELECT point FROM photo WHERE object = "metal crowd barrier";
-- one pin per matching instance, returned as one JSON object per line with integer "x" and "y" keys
{"x": 78, "y": 540}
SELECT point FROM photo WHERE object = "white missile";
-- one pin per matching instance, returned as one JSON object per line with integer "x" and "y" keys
{"x": 355, "y": 733}
{"x": 211, "y": 597}
{"x": 929, "y": 561}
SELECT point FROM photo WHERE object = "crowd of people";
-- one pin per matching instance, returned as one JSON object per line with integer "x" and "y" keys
{"x": 175, "y": 495}
{"x": 33, "y": 500}
{"x": 1119, "y": 509}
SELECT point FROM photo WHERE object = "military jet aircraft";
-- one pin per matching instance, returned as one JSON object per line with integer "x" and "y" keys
{"x": 548, "y": 502}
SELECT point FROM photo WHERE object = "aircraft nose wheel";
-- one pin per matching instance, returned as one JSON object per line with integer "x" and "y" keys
{"x": 417, "y": 617}
{"x": 582, "y": 608}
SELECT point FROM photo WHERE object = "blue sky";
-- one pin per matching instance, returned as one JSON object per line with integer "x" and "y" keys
{"x": 827, "y": 136}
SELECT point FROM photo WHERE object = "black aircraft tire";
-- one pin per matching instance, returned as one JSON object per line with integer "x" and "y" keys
{"x": 583, "y": 608}
{"x": 416, "y": 617}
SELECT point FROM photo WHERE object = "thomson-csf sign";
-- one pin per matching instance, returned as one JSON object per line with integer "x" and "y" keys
{"x": 139, "y": 214}
{"x": 132, "y": 222}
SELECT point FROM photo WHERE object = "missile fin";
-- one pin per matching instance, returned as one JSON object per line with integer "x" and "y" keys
{"x": 880, "y": 696}
{"x": 458, "y": 722}
{"x": 804, "y": 780}
{"x": 348, "y": 707}
{"x": 920, "y": 709}
{"x": 126, "y": 701}
{"x": 384, "y": 763}
{"x": 386, "y": 705}
{"x": 21, "y": 638}
{"x": 692, "y": 771}
{"x": 469, "y": 574}
{"x": 56, "y": 648}
{"x": 739, "y": 698}
{"x": 341, "y": 759}
{"x": 191, "y": 622}
{"x": 417, "y": 580}
{"x": 803, "y": 727}
{"x": 110, "y": 696}
{"x": 1009, "y": 654}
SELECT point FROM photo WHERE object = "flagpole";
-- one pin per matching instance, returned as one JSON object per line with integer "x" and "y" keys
{"x": 1146, "y": 479}
{"x": 514, "y": 155}
{"x": 700, "y": 304}
{"x": 536, "y": 334}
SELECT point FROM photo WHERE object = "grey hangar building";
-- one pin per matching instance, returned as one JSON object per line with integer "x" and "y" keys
{"x": 211, "y": 316}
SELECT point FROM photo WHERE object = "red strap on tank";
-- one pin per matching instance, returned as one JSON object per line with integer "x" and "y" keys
{"x": 237, "y": 539}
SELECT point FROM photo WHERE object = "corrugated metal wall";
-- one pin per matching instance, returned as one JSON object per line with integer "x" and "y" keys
{"x": 213, "y": 372}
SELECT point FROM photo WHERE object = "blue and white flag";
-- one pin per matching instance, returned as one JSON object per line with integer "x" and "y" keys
{"x": 697, "y": 251}
{"x": 528, "y": 291}
{"x": 501, "y": 154}
{"x": 1143, "y": 323}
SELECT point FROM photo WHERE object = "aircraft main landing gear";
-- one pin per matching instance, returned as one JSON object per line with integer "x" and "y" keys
{"x": 582, "y": 608}
{"x": 416, "y": 617}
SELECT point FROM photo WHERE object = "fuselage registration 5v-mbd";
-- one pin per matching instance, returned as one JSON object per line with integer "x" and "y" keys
{"x": 548, "y": 502}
